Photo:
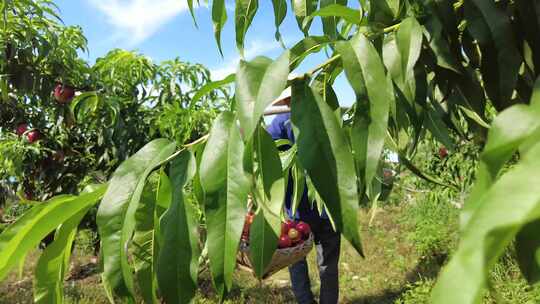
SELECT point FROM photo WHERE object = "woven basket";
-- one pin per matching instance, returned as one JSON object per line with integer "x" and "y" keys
{"x": 282, "y": 257}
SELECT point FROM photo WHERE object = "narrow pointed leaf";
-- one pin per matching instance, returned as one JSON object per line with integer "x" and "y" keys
{"x": 264, "y": 235}
{"x": 271, "y": 174}
{"x": 305, "y": 47}
{"x": 492, "y": 28}
{"x": 331, "y": 12}
{"x": 54, "y": 262}
{"x": 192, "y": 12}
{"x": 330, "y": 23}
{"x": 501, "y": 212}
{"x": 365, "y": 71}
{"x": 324, "y": 152}
{"x": 244, "y": 12}
{"x": 226, "y": 188}
{"x": 116, "y": 214}
{"x": 219, "y": 18}
{"x": 178, "y": 261}
{"x": 262, "y": 243}
{"x": 302, "y": 10}
{"x": 258, "y": 83}
{"x": 280, "y": 11}
{"x": 144, "y": 240}
{"x": 26, "y": 233}
{"x": 401, "y": 54}
{"x": 509, "y": 130}
{"x": 209, "y": 87}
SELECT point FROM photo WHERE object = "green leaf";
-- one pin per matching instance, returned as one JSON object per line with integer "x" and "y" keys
{"x": 365, "y": 72}
{"x": 509, "y": 130}
{"x": 219, "y": 17}
{"x": 178, "y": 261}
{"x": 437, "y": 128}
{"x": 299, "y": 180}
{"x": 144, "y": 241}
{"x": 262, "y": 243}
{"x": 528, "y": 251}
{"x": 502, "y": 210}
{"x": 304, "y": 47}
{"x": 192, "y": 12}
{"x": 324, "y": 152}
{"x": 26, "y": 233}
{"x": 401, "y": 54}
{"x": 330, "y": 23}
{"x": 258, "y": 83}
{"x": 209, "y": 87}
{"x": 54, "y": 262}
{"x": 264, "y": 236}
{"x": 271, "y": 173}
{"x": 287, "y": 158}
{"x": 244, "y": 12}
{"x": 528, "y": 16}
{"x": 439, "y": 45}
{"x": 383, "y": 12}
{"x": 226, "y": 187}
{"x": 332, "y": 11}
{"x": 492, "y": 29}
{"x": 116, "y": 214}
{"x": 302, "y": 10}
{"x": 84, "y": 104}
{"x": 280, "y": 11}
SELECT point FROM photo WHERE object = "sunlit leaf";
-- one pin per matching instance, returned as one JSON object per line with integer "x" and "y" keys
{"x": 303, "y": 9}
{"x": 54, "y": 262}
{"x": 116, "y": 214}
{"x": 209, "y": 87}
{"x": 219, "y": 17}
{"x": 26, "y": 233}
{"x": 258, "y": 83}
{"x": 280, "y": 11}
{"x": 178, "y": 260}
{"x": 244, "y": 12}
{"x": 374, "y": 94}
{"x": 501, "y": 212}
{"x": 226, "y": 188}
{"x": 324, "y": 152}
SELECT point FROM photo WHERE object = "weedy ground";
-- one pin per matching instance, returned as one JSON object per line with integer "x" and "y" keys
{"x": 405, "y": 246}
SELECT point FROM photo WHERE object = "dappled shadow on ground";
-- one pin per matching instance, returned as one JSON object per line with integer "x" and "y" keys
{"x": 81, "y": 272}
{"x": 426, "y": 268}
{"x": 254, "y": 294}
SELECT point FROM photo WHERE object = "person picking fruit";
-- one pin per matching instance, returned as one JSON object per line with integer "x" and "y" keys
{"x": 327, "y": 241}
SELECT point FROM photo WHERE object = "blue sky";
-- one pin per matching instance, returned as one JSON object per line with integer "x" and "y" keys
{"x": 163, "y": 29}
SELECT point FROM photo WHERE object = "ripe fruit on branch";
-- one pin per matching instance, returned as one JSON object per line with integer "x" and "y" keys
{"x": 21, "y": 128}
{"x": 443, "y": 152}
{"x": 63, "y": 93}
{"x": 304, "y": 229}
{"x": 294, "y": 235}
{"x": 284, "y": 241}
{"x": 33, "y": 136}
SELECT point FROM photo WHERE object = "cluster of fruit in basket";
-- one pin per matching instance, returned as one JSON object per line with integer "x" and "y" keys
{"x": 292, "y": 232}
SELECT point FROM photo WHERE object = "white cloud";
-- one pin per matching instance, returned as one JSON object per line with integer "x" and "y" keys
{"x": 136, "y": 20}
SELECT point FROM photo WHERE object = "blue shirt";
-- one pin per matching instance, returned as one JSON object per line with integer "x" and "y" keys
{"x": 280, "y": 128}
